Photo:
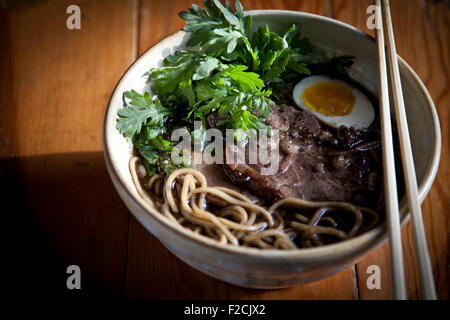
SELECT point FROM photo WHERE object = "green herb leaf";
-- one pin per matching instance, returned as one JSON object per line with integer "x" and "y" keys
{"x": 142, "y": 110}
{"x": 248, "y": 81}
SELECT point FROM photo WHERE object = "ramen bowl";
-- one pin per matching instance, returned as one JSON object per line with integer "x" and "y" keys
{"x": 256, "y": 268}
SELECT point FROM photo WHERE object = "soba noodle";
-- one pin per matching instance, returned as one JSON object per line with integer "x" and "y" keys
{"x": 230, "y": 217}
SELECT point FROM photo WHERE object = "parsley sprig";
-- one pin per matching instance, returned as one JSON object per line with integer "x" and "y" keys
{"x": 141, "y": 111}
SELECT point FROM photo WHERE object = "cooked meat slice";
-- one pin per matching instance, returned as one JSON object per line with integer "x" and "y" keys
{"x": 305, "y": 169}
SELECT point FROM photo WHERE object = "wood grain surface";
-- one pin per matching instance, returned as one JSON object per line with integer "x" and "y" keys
{"x": 61, "y": 206}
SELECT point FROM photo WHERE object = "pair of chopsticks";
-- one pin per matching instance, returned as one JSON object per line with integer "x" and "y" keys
{"x": 390, "y": 184}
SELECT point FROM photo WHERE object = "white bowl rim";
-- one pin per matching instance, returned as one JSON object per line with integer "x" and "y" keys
{"x": 377, "y": 235}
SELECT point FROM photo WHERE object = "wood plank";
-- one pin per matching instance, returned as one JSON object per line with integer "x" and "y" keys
{"x": 53, "y": 98}
{"x": 423, "y": 41}
{"x": 153, "y": 272}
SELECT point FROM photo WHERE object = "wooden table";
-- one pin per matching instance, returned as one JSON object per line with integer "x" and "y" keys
{"x": 60, "y": 205}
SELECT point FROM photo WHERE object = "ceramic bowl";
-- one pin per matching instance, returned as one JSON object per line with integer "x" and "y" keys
{"x": 251, "y": 267}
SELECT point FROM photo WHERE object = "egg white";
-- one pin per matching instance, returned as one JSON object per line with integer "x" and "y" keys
{"x": 361, "y": 116}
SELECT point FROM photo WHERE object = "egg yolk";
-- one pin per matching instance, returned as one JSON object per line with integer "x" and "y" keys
{"x": 329, "y": 98}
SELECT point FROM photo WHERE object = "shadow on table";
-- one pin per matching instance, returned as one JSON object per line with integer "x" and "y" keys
{"x": 61, "y": 209}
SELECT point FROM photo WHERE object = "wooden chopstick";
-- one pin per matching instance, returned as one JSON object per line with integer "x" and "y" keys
{"x": 390, "y": 183}
{"x": 420, "y": 243}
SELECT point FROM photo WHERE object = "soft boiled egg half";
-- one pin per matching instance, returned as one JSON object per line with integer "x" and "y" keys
{"x": 335, "y": 102}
